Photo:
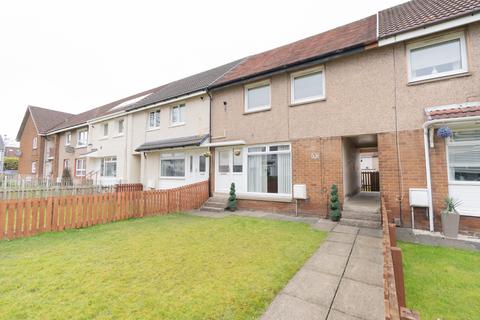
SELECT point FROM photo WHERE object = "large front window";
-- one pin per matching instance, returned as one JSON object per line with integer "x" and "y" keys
{"x": 172, "y": 165}
{"x": 109, "y": 167}
{"x": 438, "y": 57}
{"x": 464, "y": 156}
{"x": 269, "y": 169}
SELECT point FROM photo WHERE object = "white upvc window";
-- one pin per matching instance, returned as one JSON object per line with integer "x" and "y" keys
{"x": 307, "y": 85}
{"x": 154, "y": 119}
{"x": 34, "y": 167}
{"x": 172, "y": 165}
{"x": 438, "y": 57}
{"x": 202, "y": 164}
{"x": 66, "y": 164}
{"x": 109, "y": 167}
{"x": 120, "y": 126}
{"x": 82, "y": 138}
{"x": 464, "y": 156}
{"x": 269, "y": 169}
{"x": 177, "y": 114}
{"x": 80, "y": 167}
{"x": 35, "y": 143}
{"x": 257, "y": 96}
{"x": 105, "y": 129}
{"x": 68, "y": 138}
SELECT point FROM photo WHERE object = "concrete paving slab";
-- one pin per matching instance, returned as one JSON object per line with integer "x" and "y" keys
{"x": 286, "y": 307}
{"x": 336, "y": 248}
{"x": 314, "y": 287}
{"x": 376, "y": 233}
{"x": 369, "y": 253}
{"x": 327, "y": 263}
{"x": 365, "y": 271}
{"x": 337, "y": 315}
{"x": 345, "y": 229}
{"x": 324, "y": 225}
{"x": 341, "y": 237}
{"x": 360, "y": 300}
{"x": 369, "y": 242}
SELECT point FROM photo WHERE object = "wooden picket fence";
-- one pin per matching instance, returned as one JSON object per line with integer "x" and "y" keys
{"x": 27, "y": 217}
{"x": 127, "y": 187}
{"x": 393, "y": 277}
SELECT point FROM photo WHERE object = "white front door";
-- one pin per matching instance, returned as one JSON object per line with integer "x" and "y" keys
{"x": 229, "y": 168}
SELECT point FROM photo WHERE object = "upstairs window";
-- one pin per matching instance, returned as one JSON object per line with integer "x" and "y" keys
{"x": 82, "y": 138}
{"x": 68, "y": 138}
{"x": 105, "y": 129}
{"x": 257, "y": 96}
{"x": 178, "y": 114}
{"x": 307, "y": 86}
{"x": 438, "y": 57}
{"x": 35, "y": 143}
{"x": 154, "y": 119}
{"x": 121, "y": 126}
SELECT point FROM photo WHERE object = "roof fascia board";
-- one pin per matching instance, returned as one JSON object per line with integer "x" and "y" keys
{"x": 84, "y": 124}
{"x": 474, "y": 17}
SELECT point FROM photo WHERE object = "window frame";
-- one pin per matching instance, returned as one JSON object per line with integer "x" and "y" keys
{"x": 434, "y": 41}
{"x": 82, "y": 169}
{"x": 66, "y": 164}
{"x": 449, "y": 143}
{"x": 35, "y": 143}
{"x": 156, "y": 123}
{"x": 68, "y": 138}
{"x": 174, "y": 156}
{"x": 200, "y": 157}
{"x": 121, "y": 124}
{"x": 311, "y": 71}
{"x": 181, "y": 115}
{"x": 79, "y": 145}
{"x": 112, "y": 159}
{"x": 254, "y": 85}
{"x": 105, "y": 128}
{"x": 34, "y": 167}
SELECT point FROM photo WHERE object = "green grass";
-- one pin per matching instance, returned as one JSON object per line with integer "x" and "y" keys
{"x": 442, "y": 283}
{"x": 169, "y": 267}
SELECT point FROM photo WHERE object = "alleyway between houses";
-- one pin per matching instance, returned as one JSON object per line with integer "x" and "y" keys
{"x": 343, "y": 280}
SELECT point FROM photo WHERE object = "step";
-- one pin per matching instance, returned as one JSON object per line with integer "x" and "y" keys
{"x": 360, "y": 223}
{"x": 348, "y": 214}
{"x": 358, "y": 208}
{"x": 215, "y": 205}
{"x": 212, "y": 209}
{"x": 212, "y": 201}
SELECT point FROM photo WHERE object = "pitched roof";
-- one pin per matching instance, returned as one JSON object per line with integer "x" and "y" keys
{"x": 421, "y": 13}
{"x": 454, "y": 112}
{"x": 173, "y": 143}
{"x": 106, "y": 109}
{"x": 44, "y": 119}
{"x": 355, "y": 34}
{"x": 191, "y": 84}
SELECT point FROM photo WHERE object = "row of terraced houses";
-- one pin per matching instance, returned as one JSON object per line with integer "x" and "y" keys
{"x": 403, "y": 83}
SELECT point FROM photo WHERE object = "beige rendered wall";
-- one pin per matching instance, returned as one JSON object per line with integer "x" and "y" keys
{"x": 361, "y": 93}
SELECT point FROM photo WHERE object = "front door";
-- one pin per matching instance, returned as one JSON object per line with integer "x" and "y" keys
{"x": 229, "y": 168}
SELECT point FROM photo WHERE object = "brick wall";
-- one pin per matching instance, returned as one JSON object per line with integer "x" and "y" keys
{"x": 28, "y": 153}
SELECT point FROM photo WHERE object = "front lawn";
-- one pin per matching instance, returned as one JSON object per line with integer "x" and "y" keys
{"x": 442, "y": 283}
{"x": 167, "y": 267}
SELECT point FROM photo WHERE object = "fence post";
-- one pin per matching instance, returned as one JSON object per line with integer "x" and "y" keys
{"x": 398, "y": 273}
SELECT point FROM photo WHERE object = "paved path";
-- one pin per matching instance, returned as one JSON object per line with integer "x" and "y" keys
{"x": 343, "y": 280}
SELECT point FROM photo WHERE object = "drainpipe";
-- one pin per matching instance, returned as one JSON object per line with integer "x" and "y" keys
{"x": 426, "y": 141}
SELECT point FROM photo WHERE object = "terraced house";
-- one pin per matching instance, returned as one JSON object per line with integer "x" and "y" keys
{"x": 286, "y": 124}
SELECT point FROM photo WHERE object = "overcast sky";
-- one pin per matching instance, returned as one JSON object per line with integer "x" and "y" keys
{"x": 77, "y": 55}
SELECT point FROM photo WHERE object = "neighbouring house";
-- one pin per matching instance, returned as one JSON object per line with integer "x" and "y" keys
{"x": 2, "y": 153}
{"x": 303, "y": 113}
{"x": 36, "y": 147}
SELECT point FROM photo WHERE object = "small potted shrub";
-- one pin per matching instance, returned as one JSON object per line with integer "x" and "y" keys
{"x": 450, "y": 217}
{"x": 232, "y": 199}
{"x": 334, "y": 204}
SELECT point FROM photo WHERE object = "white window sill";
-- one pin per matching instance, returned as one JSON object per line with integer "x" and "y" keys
{"x": 261, "y": 109}
{"x": 179, "y": 124}
{"x": 119, "y": 135}
{"x": 80, "y": 146}
{"x": 438, "y": 77}
{"x": 464, "y": 183}
{"x": 153, "y": 129}
{"x": 173, "y": 178}
{"x": 306, "y": 101}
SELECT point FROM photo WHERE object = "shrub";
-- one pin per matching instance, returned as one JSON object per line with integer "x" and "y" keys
{"x": 335, "y": 213}
{"x": 66, "y": 177}
{"x": 10, "y": 163}
{"x": 232, "y": 199}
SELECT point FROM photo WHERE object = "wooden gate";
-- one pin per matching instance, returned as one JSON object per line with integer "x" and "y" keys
{"x": 370, "y": 180}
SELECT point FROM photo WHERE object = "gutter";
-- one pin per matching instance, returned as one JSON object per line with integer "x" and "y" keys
{"x": 427, "y": 137}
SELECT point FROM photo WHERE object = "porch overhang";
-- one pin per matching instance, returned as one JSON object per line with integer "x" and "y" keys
{"x": 192, "y": 141}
